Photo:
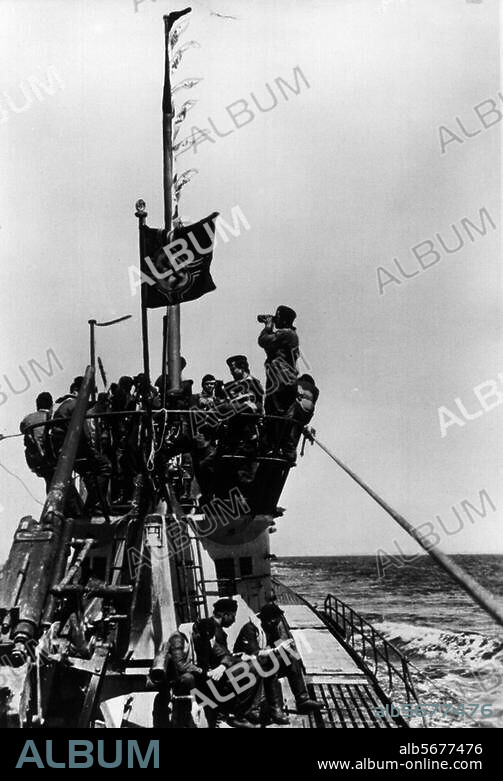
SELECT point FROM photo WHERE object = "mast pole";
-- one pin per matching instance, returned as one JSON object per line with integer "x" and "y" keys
{"x": 164, "y": 357}
{"x": 141, "y": 214}
{"x": 92, "y": 355}
{"x": 172, "y": 322}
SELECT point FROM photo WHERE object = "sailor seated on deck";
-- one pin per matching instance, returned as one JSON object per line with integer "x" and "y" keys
{"x": 251, "y": 641}
{"x": 241, "y": 705}
{"x": 183, "y": 676}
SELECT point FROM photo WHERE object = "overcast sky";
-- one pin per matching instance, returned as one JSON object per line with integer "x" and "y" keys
{"x": 334, "y": 182}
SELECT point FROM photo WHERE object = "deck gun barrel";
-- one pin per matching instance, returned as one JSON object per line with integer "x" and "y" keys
{"x": 29, "y": 572}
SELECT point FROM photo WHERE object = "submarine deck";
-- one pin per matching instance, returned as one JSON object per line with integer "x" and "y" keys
{"x": 349, "y": 697}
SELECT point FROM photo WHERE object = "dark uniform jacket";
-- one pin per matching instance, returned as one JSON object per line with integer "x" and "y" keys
{"x": 305, "y": 402}
{"x": 280, "y": 344}
{"x": 35, "y": 441}
{"x": 251, "y": 639}
{"x": 282, "y": 350}
{"x": 212, "y": 652}
{"x": 179, "y": 654}
{"x": 64, "y": 412}
{"x": 247, "y": 641}
{"x": 246, "y": 395}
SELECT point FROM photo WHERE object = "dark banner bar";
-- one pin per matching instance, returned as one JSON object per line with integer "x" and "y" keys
{"x": 265, "y": 753}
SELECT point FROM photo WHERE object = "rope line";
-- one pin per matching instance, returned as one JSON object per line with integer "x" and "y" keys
{"x": 473, "y": 588}
{"x": 12, "y": 474}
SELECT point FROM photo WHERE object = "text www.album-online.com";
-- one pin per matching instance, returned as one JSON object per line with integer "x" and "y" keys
{"x": 424, "y": 763}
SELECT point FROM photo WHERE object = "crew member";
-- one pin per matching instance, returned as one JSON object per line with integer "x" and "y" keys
{"x": 183, "y": 676}
{"x": 281, "y": 344}
{"x": 214, "y": 657}
{"x": 90, "y": 464}
{"x": 36, "y": 440}
{"x": 301, "y": 413}
{"x": 205, "y": 423}
{"x": 206, "y": 399}
{"x": 124, "y": 430}
{"x": 245, "y": 396}
{"x": 98, "y": 428}
{"x": 246, "y": 392}
{"x": 251, "y": 641}
{"x": 180, "y": 400}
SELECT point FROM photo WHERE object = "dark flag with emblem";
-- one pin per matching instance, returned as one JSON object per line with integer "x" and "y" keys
{"x": 179, "y": 267}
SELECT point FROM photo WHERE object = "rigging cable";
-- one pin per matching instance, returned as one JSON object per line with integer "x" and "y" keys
{"x": 153, "y": 449}
{"x": 474, "y": 589}
{"x": 12, "y": 474}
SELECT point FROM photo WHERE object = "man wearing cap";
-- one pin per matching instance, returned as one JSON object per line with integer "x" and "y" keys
{"x": 245, "y": 398}
{"x": 204, "y": 424}
{"x": 216, "y": 660}
{"x": 251, "y": 641}
{"x": 245, "y": 391}
{"x": 281, "y": 344}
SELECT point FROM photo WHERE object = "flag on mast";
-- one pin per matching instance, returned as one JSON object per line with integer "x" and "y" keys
{"x": 179, "y": 265}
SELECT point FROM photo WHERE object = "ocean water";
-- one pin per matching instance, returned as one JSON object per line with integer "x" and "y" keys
{"x": 418, "y": 608}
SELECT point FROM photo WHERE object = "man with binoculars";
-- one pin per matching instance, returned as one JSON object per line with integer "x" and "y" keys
{"x": 280, "y": 341}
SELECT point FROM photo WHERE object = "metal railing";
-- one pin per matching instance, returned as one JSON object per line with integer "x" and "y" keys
{"x": 276, "y": 430}
{"x": 380, "y": 658}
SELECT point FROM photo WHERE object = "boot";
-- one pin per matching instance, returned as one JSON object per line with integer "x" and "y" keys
{"x": 240, "y": 722}
{"x": 254, "y": 716}
{"x": 306, "y": 705}
{"x": 278, "y": 716}
{"x": 275, "y": 698}
{"x": 182, "y": 713}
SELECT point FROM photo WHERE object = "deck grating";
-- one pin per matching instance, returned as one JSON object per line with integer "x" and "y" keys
{"x": 347, "y": 695}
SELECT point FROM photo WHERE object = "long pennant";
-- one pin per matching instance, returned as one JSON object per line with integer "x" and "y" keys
{"x": 102, "y": 372}
{"x": 183, "y": 179}
{"x": 184, "y": 110}
{"x": 177, "y": 31}
{"x": 177, "y": 57}
{"x": 186, "y": 84}
{"x": 189, "y": 141}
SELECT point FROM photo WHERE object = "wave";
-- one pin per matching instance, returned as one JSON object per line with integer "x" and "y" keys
{"x": 426, "y": 642}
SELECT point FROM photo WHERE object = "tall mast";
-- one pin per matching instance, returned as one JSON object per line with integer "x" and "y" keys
{"x": 141, "y": 214}
{"x": 171, "y": 323}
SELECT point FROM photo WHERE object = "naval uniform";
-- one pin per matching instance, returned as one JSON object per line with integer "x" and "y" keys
{"x": 212, "y": 653}
{"x": 282, "y": 350}
{"x": 251, "y": 640}
{"x": 36, "y": 445}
